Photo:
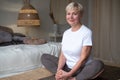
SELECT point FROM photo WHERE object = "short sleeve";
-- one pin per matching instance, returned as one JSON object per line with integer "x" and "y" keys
{"x": 87, "y": 40}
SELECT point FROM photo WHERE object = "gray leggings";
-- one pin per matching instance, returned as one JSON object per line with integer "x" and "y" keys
{"x": 88, "y": 71}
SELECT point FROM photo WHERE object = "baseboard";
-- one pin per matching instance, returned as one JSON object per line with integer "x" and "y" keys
{"x": 109, "y": 62}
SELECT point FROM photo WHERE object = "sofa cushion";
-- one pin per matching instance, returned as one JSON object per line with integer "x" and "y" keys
{"x": 5, "y": 36}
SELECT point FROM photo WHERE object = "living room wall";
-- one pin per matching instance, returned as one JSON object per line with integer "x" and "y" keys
{"x": 9, "y": 13}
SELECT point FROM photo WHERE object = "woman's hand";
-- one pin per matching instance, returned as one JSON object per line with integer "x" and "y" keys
{"x": 58, "y": 75}
{"x": 62, "y": 75}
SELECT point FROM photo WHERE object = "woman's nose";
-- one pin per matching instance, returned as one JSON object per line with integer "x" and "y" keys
{"x": 71, "y": 16}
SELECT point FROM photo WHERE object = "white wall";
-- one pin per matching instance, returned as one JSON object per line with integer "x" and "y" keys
{"x": 9, "y": 12}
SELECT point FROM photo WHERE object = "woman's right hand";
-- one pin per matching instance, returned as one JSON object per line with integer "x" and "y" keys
{"x": 62, "y": 75}
{"x": 58, "y": 75}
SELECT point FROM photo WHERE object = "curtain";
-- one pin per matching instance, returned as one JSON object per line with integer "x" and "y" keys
{"x": 106, "y": 30}
{"x": 57, "y": 7}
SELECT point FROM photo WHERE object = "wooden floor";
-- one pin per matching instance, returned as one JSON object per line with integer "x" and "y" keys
{"x": 110, "y": 73}
{"x": 30, "y": 75}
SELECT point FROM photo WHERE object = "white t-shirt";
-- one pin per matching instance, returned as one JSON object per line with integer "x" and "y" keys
{"x": 73, "y": 42}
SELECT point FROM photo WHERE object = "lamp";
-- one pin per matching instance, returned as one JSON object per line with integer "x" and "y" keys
{"x": 28, "y": 16}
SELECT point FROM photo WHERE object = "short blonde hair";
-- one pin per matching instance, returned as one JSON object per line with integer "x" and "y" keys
{"x": 74, "y": 5}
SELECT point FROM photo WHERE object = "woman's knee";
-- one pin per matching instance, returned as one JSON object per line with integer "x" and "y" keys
{"x": 90, "y": 70}
{"x": 44, "y": 57}
{"x": 48, "y": 58}
{"x": 99, "y": 63}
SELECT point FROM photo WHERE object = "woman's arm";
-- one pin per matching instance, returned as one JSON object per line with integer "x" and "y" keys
{"x": 83, "y": 57}
{"x": 61, "y": 64}
{"x": 61, "y": 61}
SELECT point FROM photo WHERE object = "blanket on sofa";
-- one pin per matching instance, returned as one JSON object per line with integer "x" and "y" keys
{"x": 19, "y": 58}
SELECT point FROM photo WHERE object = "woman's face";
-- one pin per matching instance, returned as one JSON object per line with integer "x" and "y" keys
{"x": 73, "y": 17}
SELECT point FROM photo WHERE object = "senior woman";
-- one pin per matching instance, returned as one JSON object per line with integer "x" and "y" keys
{"x": 75, "y": 61}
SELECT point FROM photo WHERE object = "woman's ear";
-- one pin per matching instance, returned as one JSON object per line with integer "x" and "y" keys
{"x": 81, "y": 15}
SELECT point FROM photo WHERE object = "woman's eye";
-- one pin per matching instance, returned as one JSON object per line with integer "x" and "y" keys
{"x": 74, "y": 13}
{"x": 68, "y": 13}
